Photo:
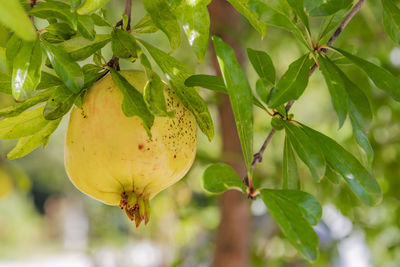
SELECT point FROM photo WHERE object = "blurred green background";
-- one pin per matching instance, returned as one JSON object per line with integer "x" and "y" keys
{"x": 46, "y": 221}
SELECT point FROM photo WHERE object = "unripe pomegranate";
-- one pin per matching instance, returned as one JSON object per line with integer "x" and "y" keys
{"x": 111, "y": 158}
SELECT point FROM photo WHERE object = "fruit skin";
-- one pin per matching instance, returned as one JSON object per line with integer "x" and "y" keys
{"x": 109, "y": 156}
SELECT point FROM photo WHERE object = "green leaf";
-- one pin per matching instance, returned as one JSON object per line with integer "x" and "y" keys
{"x": 91, "y": 5}
{"x": 262, "y": 90}
{"x": 3, "y": 60}
{"x": 282, "y": 110}
{"x": 361, "y": 109}
{"x": 351, "y": 98}
{"x": 196, "y": 25}
{"x": 309, "y": 205}
{"x": 239, "y": 94}
{"x": 271, "y": 15}
{"x": 20, "y": 107}
{"x": 336, "y": 86}
{"x": 332, "y": 175}
{"x": 177, "y": 73}
{"x": 61, "y": 30}
{"x": 48, "y": 80}
{"x": 329, "y": 24}
{"x": 277, "y": 124}
{"x": 360, "y": 134}
{"x": 124, "y": 45}
{"x": 100, "y": 21}
{"x": 80, "y": 99}
{"x": 360, "y": 181}
{"x": 13, "y": 46}
{"x": 154, "y": 97}
{"x": 66, "y": 68}
{"x": 133, "y": 103}
{"x": 263, "y": 65}
{"x": 306, "y": 149}
{"x": 51, "y": 38}
{"x": 54, "y": 9}
{"x": 26, "y": 70}
{"x": 92, "y": 74}
{"x": 145, "y": 62}
{"x": 292, "y": 210}
{"x": 24, "y": 124}
{"x": 325, "y": 7}
{"x": 219, "y": 177}
{"x": 86, "y": 27}
{"x": 164, "y": 18}
{"x": 298, "y": 7}
{"x": 292, "y": 84}
{"x": 81, "y": 48}
{"x": 382, "y": 78}
{"x": 98, "y": 58}
{"x": 26, "y": 144}
{"x": 153, "y": 93}
{"x": 211, "y": 82}
{"x": 360, "y": 116}
{"x": 13, "y": 16}
{"x": 75, "y": 4}
{"x": 214, "y": 83}
{"x": 242, "y": 6}
{"x": 391, "y": 19}
{"x": 145, "y": 25}
{"x": 291, "y": 179}
{"x": 5, "y": 83}
{"x": 59, "y": 103}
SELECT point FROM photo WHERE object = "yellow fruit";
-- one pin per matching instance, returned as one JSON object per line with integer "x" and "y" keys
{"x": 110, "y": 157}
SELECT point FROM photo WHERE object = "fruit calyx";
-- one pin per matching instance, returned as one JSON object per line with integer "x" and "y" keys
{"x": 136, "y": 206}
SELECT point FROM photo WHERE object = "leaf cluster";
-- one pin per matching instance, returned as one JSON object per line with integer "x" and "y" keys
{"x": 323, "y": 156}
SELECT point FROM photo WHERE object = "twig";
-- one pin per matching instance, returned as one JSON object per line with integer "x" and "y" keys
{"x": 128, "y": 12}
{"x": 257, "y": 158}
{"x": 346, "y": 21}
{"x": 114, "y": 61}
{"x": 32, "y": 5}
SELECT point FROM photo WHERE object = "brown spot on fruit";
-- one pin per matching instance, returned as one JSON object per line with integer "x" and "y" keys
{"x": 140, "y": 146}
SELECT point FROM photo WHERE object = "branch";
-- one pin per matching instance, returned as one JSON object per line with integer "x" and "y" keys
{"x": 114, "y": 61}
{"x": 257, "y": 158}
{"x": 32, "y": 5}
{"x": 346, "y": 21}
{"x": 128, "y": 12}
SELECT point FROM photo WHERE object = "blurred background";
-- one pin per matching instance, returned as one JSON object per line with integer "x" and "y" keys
{"x": 46, "y": 221}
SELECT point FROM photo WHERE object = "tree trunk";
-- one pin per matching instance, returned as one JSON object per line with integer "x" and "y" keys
{"x": 233, "y": 236}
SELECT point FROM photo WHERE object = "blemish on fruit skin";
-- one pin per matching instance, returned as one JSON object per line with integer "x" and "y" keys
{"x": 140, "y": 146}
